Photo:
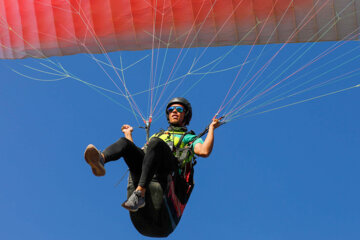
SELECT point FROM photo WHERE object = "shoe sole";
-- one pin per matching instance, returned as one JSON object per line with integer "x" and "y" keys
{"x": 132, "y": 210}
{"x": 92, "y": 158}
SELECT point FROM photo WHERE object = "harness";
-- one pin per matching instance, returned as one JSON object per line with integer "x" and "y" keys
{"x": 174, "y": 137}
{"x": 183, "y": 152}
{"x": 161, "y": 215}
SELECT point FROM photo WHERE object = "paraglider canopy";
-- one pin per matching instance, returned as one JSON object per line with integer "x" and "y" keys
{"x": 56, "y": 28}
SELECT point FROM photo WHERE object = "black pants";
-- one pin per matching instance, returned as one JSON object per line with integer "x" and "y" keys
{"x": 158, "y": 158}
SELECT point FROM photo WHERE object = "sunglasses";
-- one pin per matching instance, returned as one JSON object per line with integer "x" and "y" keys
{"x": 177, "y": 108}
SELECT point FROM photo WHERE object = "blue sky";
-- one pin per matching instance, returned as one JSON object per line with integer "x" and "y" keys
{"x": 292, "y": 173}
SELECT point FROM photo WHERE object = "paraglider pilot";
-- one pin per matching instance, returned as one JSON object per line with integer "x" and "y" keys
{"x": 158, "y": 154}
